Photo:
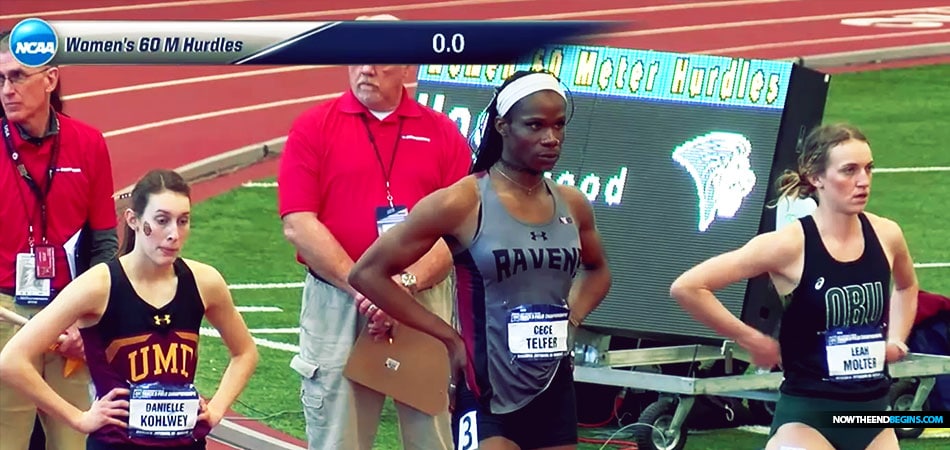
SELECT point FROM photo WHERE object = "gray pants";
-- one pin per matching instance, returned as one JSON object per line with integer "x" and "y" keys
{"x": 340, "y": 414}
{"x": 18, "y": 414}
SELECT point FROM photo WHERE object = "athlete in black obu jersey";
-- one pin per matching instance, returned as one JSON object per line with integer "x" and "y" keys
{"x": 139, "y": 317}
{"x": 843, "y": 323}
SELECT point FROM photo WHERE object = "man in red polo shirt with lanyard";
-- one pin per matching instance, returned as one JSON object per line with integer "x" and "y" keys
{"x": 351, "y": 168}
{"x": 58, "y": 219}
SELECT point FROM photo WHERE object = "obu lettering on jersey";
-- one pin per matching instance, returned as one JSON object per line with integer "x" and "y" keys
{"x": 854, "y": 305}
{"x": 511, "y": 261}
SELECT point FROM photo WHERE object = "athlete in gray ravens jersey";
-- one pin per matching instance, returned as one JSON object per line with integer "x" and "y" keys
{"x": 518, "y": 241}
{"x": 513, "y": 284}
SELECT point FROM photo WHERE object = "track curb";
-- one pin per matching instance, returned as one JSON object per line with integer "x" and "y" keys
{"x": 225, "y": 163}
{"x": 871, "y": 56}
{"x": 232, "y": 433}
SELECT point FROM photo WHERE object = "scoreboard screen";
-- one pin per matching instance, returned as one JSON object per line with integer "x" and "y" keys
{"x": 677, "y": 153}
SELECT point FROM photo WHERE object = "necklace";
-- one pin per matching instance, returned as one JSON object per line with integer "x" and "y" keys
{"x": 529, "y": 190}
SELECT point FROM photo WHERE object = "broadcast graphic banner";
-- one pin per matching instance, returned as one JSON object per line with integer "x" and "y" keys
{"x": 35, "y": 42}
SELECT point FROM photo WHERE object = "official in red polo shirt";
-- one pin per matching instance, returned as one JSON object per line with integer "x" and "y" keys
{"x": 58, "y": 219}
{"x": 351, "y": 168}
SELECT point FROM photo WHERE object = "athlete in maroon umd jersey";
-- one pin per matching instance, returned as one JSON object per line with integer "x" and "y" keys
{"x": 139, "y": 317}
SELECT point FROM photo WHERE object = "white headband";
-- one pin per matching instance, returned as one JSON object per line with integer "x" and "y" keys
{"x": 525, "y": 86}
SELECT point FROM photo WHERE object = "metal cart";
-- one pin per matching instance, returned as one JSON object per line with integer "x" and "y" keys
{"x": 595, "y": 364}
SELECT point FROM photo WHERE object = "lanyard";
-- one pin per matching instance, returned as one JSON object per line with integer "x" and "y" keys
{"x": 379, "y": 157}
{"x": 39, "y": 193}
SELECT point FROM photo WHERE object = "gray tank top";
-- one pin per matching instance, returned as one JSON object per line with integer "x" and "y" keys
{"x": 513, "y": 284}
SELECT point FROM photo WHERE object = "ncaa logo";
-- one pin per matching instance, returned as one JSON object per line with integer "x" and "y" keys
{"x": 33, "y": 42}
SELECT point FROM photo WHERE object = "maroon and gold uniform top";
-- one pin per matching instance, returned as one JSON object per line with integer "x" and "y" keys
{"x": 136, "y": 343}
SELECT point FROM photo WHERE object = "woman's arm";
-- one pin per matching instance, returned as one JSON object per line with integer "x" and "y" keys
{"x": 590, "y": 290}
{"x": 772, "y": 253}
{"x": 82, "y": 300}
{"x": 439, "y": 214}
{"x": 224, "y": 317}
{"x": 903, "y": 306}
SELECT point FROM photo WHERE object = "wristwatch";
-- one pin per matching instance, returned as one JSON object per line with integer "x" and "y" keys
{"x": 408, "y": 280}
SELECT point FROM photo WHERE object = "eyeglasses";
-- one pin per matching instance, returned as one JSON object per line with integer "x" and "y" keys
{"x": 17, "y": 77}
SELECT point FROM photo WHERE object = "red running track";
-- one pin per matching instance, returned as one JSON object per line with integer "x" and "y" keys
{"x": 170, "y": 116}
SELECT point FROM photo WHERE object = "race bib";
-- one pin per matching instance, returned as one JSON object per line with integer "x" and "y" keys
{"x": 30, "y": 289}
{"x": 388, "y": 217}
{"x": 538, "y": 332}
{"x": 468, "y": 431}
{"x": 855, "y": 353}
{"x": 162, "y": 411}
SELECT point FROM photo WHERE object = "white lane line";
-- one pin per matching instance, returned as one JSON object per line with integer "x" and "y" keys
{"x": 295, "y": 330}
{"x": 181, "y": 81}
{"x": 912, "y": 169}
{"x": 266, "y": 286}
{"x": 211, "y": 332}
{"x": 753, "y": 23}
{"x": 224, "y": 112}
{"x": 644, "y": 9}
{"x": 258, "y": 309}
{"x": 338, "y": 14}
{"x": 69, "y": 12}
{"x": 823, "y": 41}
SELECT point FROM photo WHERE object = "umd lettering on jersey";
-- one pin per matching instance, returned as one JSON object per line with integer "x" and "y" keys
{"x": 854, "y": 305}
{"x": 176, "y": 358}
{"x": 149, "y": 355}
{"x": 512, "y": 261}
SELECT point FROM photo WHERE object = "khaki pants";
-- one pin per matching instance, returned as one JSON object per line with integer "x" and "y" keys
{"x": 340, "y": 414}
{"x": 18, "y": 414}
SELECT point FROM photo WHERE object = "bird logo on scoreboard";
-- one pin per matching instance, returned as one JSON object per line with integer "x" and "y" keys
{"x": 720, "y": 166}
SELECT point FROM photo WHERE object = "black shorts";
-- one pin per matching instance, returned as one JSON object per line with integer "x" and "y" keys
{"x": 812, "y": 411}
{"x": 548, "y": 420}
{"x": 93, "y": 444}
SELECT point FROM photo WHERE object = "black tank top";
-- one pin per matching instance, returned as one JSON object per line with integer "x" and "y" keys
{"x": 136, "y": 343}
{"x": 838, "y": 308}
